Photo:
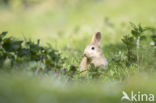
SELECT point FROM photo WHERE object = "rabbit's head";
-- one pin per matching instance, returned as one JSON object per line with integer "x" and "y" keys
{"x": 93, "y": 49}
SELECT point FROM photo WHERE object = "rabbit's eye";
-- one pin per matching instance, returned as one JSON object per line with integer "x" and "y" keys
{"x": 93, "y": 48}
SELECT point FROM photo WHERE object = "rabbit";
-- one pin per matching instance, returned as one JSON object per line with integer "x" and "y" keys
{"x": 93, "y": 54}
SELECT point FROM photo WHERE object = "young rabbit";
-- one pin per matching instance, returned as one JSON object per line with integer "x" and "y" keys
{"x": 93, "y": 54}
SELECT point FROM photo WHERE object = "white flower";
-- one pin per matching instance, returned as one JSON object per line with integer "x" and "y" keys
{"x": 152, "y": 43}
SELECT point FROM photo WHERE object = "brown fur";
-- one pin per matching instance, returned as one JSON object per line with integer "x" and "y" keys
{"x": 97, "y": 59}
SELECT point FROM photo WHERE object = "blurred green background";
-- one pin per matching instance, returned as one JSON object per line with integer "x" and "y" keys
{"x": 68, "y": 26}
{"x": 59, "y": 20}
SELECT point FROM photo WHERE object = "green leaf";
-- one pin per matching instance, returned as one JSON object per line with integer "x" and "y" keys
{"x": 142, "y": 37}
{"x": 134, "y": 33}
{"x": 11, "y": 45}
{"x": 140, "y": 28}
{"x": 73, "y": 68}
{"x": 2, "y": 35}
{"x": 23, "y": 52}
{"x": 134, "y": 26}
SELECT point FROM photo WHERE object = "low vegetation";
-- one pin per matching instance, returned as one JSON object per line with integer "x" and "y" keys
{"x": 44, "y": 59}
{"x": 41, "y": 51}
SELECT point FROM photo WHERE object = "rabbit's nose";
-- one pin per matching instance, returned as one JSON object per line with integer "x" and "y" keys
{"x": 84, "y": 54}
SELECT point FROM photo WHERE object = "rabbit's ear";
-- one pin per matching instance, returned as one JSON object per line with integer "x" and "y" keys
{"x": 96, "y": 38}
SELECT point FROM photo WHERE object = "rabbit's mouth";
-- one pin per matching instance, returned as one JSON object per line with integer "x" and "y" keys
{"x": 88, "y": 58}
{"x": 85, "y": 55}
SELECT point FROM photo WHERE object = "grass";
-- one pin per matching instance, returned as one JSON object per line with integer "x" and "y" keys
{"x": 68, "y": 27}
{"x": 48, "y": 89}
